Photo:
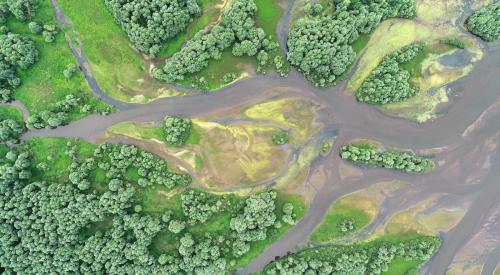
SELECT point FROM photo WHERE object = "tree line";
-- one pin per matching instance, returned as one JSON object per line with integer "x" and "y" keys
{"x": 320, "y": 46}
{"x": 372, "y": 258}
{"x": 371, "y": 155}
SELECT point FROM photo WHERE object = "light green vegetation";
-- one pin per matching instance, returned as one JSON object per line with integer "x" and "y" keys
{"x": 11, "y": 112}
{"x": 401, "y": 266}
{"x": 119, "y": 70}
{"x": 360, "y": 43}
{"x": 52, "y": 152}
{"x": 359, "y": 211}
{"x": 211, "y": 11}
{"x": 44, "y": 84}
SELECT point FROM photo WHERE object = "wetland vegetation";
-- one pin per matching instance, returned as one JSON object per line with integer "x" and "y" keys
{"x": 232, "y": 182}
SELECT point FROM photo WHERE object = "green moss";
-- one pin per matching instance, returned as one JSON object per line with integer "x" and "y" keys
{"x": 43, "y": 84}
{"x": 329, "y": 229}
{"x": 194, "y": 135}
{"x": 400, "y": 266}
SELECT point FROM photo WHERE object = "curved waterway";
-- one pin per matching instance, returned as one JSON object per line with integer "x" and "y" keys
{"x": 463, "y": 141}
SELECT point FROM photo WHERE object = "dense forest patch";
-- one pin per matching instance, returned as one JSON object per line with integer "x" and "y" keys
{"x": 485, "y": 22}
{"x": 373, "y": 257}
{"x": 321, "y": 46}
{"x": 115, "y": 208}
{"x": 365, "y": 153}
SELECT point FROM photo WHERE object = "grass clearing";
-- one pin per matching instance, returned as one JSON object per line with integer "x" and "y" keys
{"x": 52, "y": 151}
{"x": 119, "y": 70}
{"x": 360, "y": 43}
{"x": 360, "y": 211}
{"x": 11, "y": 112}
{"x": 43, "y": 84}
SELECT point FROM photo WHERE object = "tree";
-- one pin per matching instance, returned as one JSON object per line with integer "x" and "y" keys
{"x": 485, "y": 22}
{"x": 35, "y": 28}
{"x": 18, "y": 50}
{"x": 10, "y": 130}
{"x": 69, "y": 71}
{"x": 177, "y": 130}
{"x": 22, "y": 9}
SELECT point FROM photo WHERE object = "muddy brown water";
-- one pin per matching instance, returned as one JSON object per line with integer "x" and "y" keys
{"x": 466, "y": 132}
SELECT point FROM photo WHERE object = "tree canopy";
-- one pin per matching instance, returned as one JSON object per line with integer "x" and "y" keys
{"x": 485, "y": 22}
{"x": 389, "y": 82}
{"x": 149, "y": 24}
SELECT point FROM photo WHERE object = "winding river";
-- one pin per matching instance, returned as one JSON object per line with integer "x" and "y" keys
{"x": 463, "y": 140}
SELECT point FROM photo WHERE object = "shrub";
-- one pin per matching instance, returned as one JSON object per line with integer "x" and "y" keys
{"x": 280, "y": 138}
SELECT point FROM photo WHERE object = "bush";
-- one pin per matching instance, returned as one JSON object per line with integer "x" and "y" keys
{"x": 454, "y": 42}
{"x": 280, "y": 138}
{"x": 35, "y": 28}
{"x": 69, "y": 71}
{"x": 177, "y": 130}
{"x": 485, "y": 22}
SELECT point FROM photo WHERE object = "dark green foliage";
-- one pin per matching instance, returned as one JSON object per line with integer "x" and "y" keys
{"x": 281, "y": 138}
{"x": 35, "y": 28}
{"x": 198, "y": 207}
{"x": 389, "y": 82}
{"x": 320, "y": 47}
{"x": 454, "y": 42}
{"x": 485, "y": 22}
{"x": 254, "y": 221}
{"x": 366, "y": 154}
{"x": 149, "y": 24}
{"x": 373, "y": 258}
{"x": 18, "y": 50}
{"x": 237, "y": 29}
{"x": 22, "y": 9}
{"x": 10, "y": 130}
{"x": 177, "y": 130}
{"x": 54, "y": 226}
{"x": 15, "y": 51}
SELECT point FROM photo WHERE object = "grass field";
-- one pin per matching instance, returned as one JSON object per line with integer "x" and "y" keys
{"x": 52, "y": 152}
{"x": 329, "y": 229}
{"x": 11, "y": 112}
{"x": 119, "y": 70}
{"x": 43, "y": 84}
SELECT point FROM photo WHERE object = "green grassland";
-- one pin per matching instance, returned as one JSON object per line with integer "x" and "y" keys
{"x": 11, "y": 112}
{"x": 43, "y": 84}
{"x": 329, "y": 229}
{"x": 116, "y": 66}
